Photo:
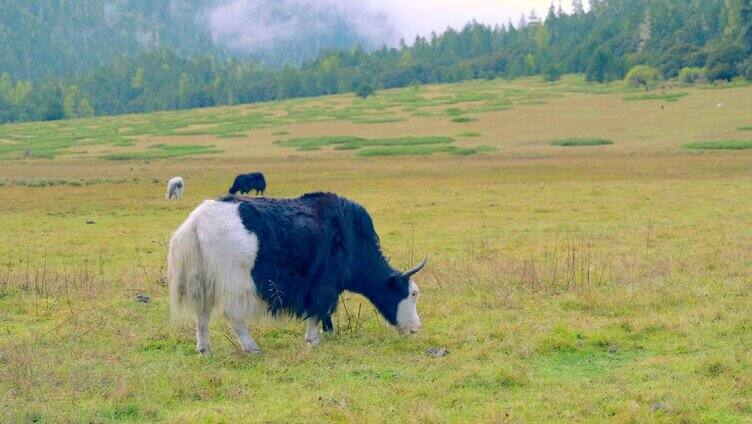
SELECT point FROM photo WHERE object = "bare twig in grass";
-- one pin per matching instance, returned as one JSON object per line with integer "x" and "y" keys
{"x": 26, "y": 279}
{"x": 357, "y": 318}
{"x": 554, "y": 277}
{"x": 92, "y": 328}
{"x": 62, "y": 323}
{"x": 438, "y": 282}
{"x": 343, "y": 301}
{"x": 65, "y": 288}
{"x": 101, "y": 268}
{"x": 648, "y": 235}
{"x": 142, "y": 267}
{"x": 231, "y": 339}
{"x": 603, "y": 269}
{"x": 717, "y": 249}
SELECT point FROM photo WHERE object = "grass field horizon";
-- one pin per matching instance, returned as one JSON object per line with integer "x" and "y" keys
{"x": 585, "y": 284}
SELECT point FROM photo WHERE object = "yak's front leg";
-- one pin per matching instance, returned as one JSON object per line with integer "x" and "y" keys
{"x": 241, "y": 329}
{"x": 312, "y": 336}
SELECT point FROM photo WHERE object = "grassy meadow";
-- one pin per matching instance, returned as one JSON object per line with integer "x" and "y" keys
{"x": 590, "y": 258}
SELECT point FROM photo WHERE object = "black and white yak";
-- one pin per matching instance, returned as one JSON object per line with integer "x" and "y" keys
{"x": 174, "y": 188}
{"x": 245, "y": 183}
{"x": 243, "y": 256}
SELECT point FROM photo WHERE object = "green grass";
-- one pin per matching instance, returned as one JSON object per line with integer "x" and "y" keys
{"x": 575, "y": 142}
{"x": 668, "y": 97}
{"x": 568, "y": 285}
{"x": 378, "y": 120}
{"x": 397, "y": 146}
{"x": 416, "y": 150}
{"x": 720, "y": 145}
{"x": 164, "y": 151}
{"x": 746, "y": 128}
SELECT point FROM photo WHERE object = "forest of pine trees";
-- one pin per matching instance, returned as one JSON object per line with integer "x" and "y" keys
{"x": 709, "y": 39}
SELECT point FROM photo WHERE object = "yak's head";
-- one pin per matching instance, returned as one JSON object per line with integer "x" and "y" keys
{"x": 399, "y": 301}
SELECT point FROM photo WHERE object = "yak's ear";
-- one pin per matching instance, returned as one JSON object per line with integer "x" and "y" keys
{"x": 393, "y": 280}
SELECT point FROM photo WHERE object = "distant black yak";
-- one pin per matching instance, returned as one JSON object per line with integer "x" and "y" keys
{"x": 243, "y": 256}
{"x": 244, "y": 183}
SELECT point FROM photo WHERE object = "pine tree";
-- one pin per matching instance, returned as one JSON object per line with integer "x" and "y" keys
{"x": 84, "y": 109}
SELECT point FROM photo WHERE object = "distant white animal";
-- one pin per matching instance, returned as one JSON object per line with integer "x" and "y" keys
{"x": 719, "y": 105}
{"x": 174, "y": 188}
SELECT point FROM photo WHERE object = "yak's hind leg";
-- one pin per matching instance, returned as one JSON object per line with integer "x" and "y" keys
{"x": 241, "y": 329}
{"x": 312, "y": 333}
{"x": 202, "y": 333}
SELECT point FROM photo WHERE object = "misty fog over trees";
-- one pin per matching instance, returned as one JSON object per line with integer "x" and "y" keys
{"x": 80, "y": 58}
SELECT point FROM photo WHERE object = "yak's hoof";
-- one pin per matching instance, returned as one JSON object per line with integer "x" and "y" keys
{"x": 252, "y": 351}
{"x": 313, "y": 341}
{"x": 203, "y": 350}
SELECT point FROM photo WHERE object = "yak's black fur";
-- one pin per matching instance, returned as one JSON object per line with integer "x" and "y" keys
{"x": 245, "y": 183}
{"x": 314, "y": 247}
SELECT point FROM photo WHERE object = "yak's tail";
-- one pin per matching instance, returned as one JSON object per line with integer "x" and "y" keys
{"x": 209, "y": 264}
{"x": 189, "y": 292}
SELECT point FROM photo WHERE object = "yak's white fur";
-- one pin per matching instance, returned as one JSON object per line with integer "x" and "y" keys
{"x": 312, "y": 333}
{"x": 209, "y": 266}
{"x": 407, "y": 311}
{"x": 174, "y": 188}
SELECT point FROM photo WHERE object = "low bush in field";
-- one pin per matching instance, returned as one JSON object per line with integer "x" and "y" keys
{"x": 690, "y": 75}
{"x": 353, "y": 143}
{"x": 378, "y": 120}
{"x": 668, "y": 97}
{"x": 395, "y": 146}
{"x": 642, "y": 76}
{"x": 422, "y": 150}
{"x": 720, "y": 145}
{"x": 574, "y": 142}
{"x": 462, "y": 119}
{"x": 162, "y": 151}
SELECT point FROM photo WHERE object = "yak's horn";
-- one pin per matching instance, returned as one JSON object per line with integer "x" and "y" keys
{"x": 410, "y": 273}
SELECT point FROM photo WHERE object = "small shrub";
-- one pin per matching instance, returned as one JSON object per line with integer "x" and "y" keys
{"x": 462, "y": 119}
{"x": 551, "y": 73}
{"x": 715, "y": 366}
{"x": 575, "y": 142}
{"x": 364, "y": 90}
{"x": 746, "y": 69}
{"x": 642, "y": 76}
{"x": 690, "y": 75}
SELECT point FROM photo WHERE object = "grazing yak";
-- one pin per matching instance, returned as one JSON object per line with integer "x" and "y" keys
{"x": 245, "y": 183}
{"x": 174, "y": 188}
{"x": 243, "y": 256}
